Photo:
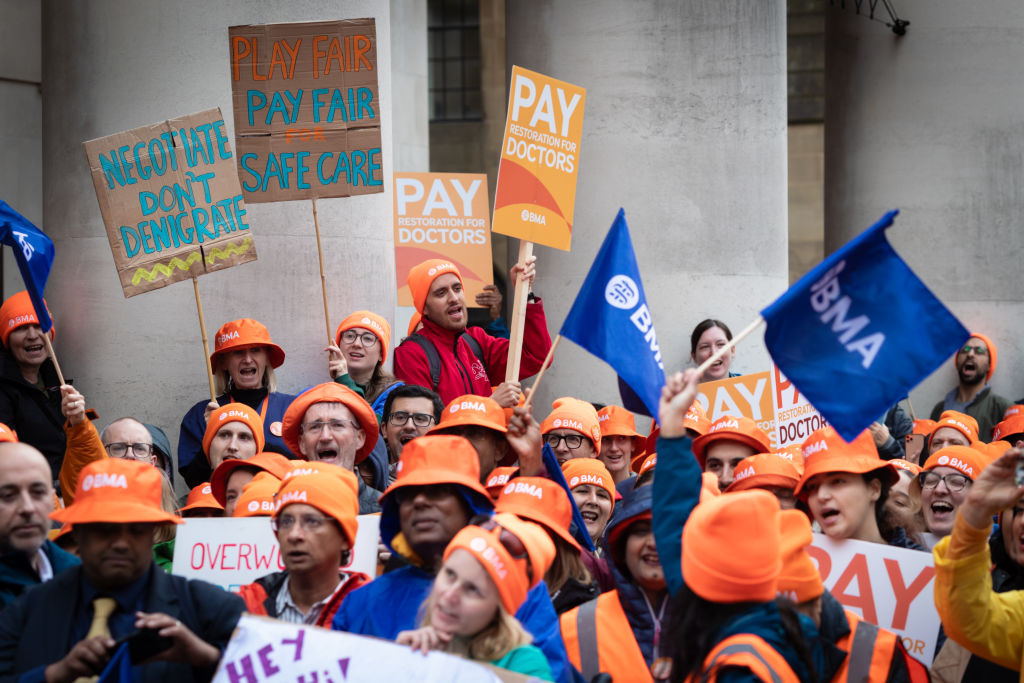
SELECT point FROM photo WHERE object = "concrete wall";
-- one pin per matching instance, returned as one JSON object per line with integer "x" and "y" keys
{"x": 930, "y": 123}
{"x": 113, "y": 65}
{"x": 685, "y": 127}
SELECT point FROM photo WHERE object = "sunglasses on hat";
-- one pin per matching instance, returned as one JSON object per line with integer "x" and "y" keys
{"x": 513, "y": 546}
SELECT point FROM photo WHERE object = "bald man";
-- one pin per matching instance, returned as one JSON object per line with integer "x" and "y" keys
{"x": 27, "y": 556}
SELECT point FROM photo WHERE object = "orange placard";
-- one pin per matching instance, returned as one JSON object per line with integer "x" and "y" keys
{"x": 743, "y": 396}
{"x": 443, "y": 215}
{"x": 536, "y": 193}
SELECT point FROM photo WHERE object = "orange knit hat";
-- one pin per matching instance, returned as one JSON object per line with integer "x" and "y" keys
{"x": 422, "y": 276}
{"x": 993, "y": 354}
{"x": 580, "y": 471}
{"x": 245, "y": 333}
{"x": 799, "y": 579}
{"x": 1008, "y": 427}
{"x": 367, "y": 320}
{"x": 118, "y": 491}
{"x": 201, "y": 498}
{"x": 572, "y": 413}
{"x": 731, "y": 428}
{"x": 961, "y": 422}
{"x": 469, "y": 409}
{"x": 330, "y": 392}
{"x": 334, "y": 493}
{"x": 514, "y": 574}
{"x": 731, "y": 548}
{"x": 17, "y": 311}
{"x": 964, "y": 459}
{"x": 257, "y": 497}
{"x": 762, "y": 470}
{"x": 265, "y": 461}
{"x": 825, "y": 451}
{"x": 617, "y": 421}
{"x": 497, "y": 479}
{"x": 540, "y": 500}
{"x": 234, "y": 412}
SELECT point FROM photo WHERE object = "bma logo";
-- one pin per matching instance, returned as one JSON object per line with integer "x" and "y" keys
{"x": 224, "y": 338}
{"x": 443, "y": 268}
{"x": 622, "y": 292}
{"x": 477, "y": 544}
{"x": 943, "y": 460}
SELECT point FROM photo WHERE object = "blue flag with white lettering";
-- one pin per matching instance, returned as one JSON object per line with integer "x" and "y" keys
{"x": 860, "y": 331}
{"x": 33, "y": 251}
{"x": 610, "y": 317}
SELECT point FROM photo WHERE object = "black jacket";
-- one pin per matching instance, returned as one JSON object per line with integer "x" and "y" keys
{"x": 37, "y": 628}
{"x": 35, "y": 415}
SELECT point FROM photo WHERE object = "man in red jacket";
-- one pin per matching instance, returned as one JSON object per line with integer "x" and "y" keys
{"x": 452, "y": 360}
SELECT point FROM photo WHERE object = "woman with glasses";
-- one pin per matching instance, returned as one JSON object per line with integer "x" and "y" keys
{"x": 357, "y": 358}
{"x": 486, "y": 574}
{"x": 943, "y": 485}
{"x": 572, "y": 429}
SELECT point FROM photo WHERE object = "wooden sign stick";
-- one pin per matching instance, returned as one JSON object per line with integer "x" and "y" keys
{"x": 518, "y": 322}
{"x": 732, "y": 342}
{"x": 528, "y": 403}
{"x": 323, "y": 277}
{"x": 206, "y": 343}
{"x": 53, "y": 357}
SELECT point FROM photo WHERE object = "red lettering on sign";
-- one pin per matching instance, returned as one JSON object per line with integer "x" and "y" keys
{"x": 822, "y": 559}
{"x": 202, "y": 556}
{"x": 244, "y": 550}
{"x": 865, "y": 600}
{"x": 224, "y": 555}
{"x": 905, "y": 594}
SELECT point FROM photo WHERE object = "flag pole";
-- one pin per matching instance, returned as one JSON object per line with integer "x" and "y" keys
{"x": 528, "y": 403}
{"x": 206, "y": 343}
{"x": 518, "y": 322}
{"x": 53, "y": 357}
{"x": 323, "y": 277}
{"x": 910, "y": 407}
{"x": 729, "y": 346}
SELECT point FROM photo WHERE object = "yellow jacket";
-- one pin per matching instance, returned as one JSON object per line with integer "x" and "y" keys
{"x": 989, "y": 624}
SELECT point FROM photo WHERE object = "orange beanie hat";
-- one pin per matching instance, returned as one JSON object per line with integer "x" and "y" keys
{"x": 540, "y": 500}
{"x": 572, "y": 413}
{"x": 334, "y": 493}
{"x": 731, "y": 428}
{"x": 245, "y": 333}
{"x": 506, "y": 559}
{"x": 201, "y": 498}
{"x": 234, "y": 412}
{"x": 18, "y": 311}
{"x": 799, "y": 579}
{"x": 993, "y": 354}
{"x": 580, "y": 471}
{"x": 257, "y": 497}
{"x": 964, "y": 459}
{"x": 961, "y": 422}
{"x": 764, "y": 469}
{"x": 367, "y": 320}
{"x": 731, "y": 548}
{"x": 422, "y": 276}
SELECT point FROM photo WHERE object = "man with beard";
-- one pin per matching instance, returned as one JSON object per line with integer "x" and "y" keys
{"x": 975, "y": 363}
{"x": 410, "y": 410}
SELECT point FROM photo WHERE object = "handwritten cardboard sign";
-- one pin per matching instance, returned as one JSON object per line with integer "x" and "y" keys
{"x": 170, "y": 201}
{"x": 536, "y": 193}
{"x": 890, "y": 587}
{"x": 443, "y": 215}
{"x": 235, "y": 551}
{"x": 307, "y": 109}
{"x": 743, "y": 396}
{"x": 795, "y": 417}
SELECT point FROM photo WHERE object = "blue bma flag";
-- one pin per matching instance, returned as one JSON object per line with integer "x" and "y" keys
{"x": 860, "y": 331}
{"x": 610, "y": 317}
{"x": 33, "y": 251}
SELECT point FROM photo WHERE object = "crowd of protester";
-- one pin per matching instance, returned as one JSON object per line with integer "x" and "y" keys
{"x": 675, "y": 555}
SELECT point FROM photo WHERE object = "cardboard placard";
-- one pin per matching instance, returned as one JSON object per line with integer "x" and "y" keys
{"x": 888, "y": 586}
{"x": 443, "y": 215}
{"x": 795, "y": 418}
{"x": 170, "y": 200}
{"x": 235, "y": 551}
{"x": 743, "y": 396}
{"x": 536, "y": 194}
{"x": 307, "y": 109}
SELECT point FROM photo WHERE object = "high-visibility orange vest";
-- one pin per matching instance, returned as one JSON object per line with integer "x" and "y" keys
{"x": 750, "y": 652}
{"x": 871, "y": 650}
{"x": 598, "y": 638}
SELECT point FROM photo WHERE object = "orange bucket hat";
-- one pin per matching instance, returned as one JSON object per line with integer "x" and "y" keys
{"x": 201, "y": 498}
{"x": 367, "y": 320}
{"x": 7, "y": 434}
{"x": 923, "y": 427}
{"x": 906, "y": 466}
{"x": 617, "y": 421}
{"x": 1016, "y": 409}
{"x": 257, "y": 497}
{"x": 964, "y": 459}
{"x": 1008, "y": 427}
{"x": 497, "y": 479}
{"x": 17, "y": 311}
{"x": 275, "y": 463}
{"x": 572, "y": 413}
{"x": 799, "y": 579}
{"x": 470, "y": 409}
{"x": 696, "y": 418}
{"x": 540, "y": 500}
{"x": 961, "y": 422}
{"x": 104, "y": 494}
{"x": 438, "y": 459}
{"x": 234, "y": 412}
{"x": 731, "y": 428}
{"x": 764, "y": 469}
{"x": 245, "y": 333}
{"x": 731, "y": 548}
{"x": 513, "y": 574}
{"x": 336, "y": 494}
{"x": 650, "y": 447}
{"x": 329, "y": 392}
{"x": 648, "y": 464}
{"x": 580, "y": 471}
{"x": 825, "y": 451}
{"x": 422, "y": 276}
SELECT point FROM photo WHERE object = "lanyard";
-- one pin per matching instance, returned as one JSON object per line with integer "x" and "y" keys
{"x": 263, "y": 406}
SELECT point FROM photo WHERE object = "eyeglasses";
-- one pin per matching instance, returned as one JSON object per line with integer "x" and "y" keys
{"x": 120, "y": 449}
{"x": 954, "y": 482}
{"x": 572, "y": 441}
{"x": 512, "y": 544}
{"x": 400, "y": 417}
{"x": 365, "y": 338}
{"x": 336, "y": 426}
{"x": 311, "y": 523}
{"x": 432, "y": 492}
{"x": 979, "y": 350}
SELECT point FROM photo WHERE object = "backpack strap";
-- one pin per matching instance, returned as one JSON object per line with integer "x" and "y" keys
{"x": 586, "y": 636}
{"x": 475, "y": 347}
{"x": 433, "y": 359}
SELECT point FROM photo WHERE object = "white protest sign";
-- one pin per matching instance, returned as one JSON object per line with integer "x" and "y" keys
{"x": 234, "y": 551}
{"x": 264, "y": 649}
{"x": 795, "y": 418}
{"x": 888, "y": 586}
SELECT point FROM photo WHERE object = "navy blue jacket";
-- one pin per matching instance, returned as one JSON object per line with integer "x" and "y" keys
{"x": 17, "y": 574}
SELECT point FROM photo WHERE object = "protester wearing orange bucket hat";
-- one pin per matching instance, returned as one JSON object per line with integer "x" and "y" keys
{"x": 201, "y": 503}
{"x": 116, "y": 511}
{"x": 770, "y": 472}
{"x": 620, "y": 441}
{"x": 499, "y": 477}
{"x": 436, "y": 493}
{"x": 943, "y": 485}
{"x": 1010, "y": 430}
{"x": 452, "y": 359}
{"x": 572, "y": 429}
{"x": 501, "y": 559}
{"x": 233, "y": 432}
{"x": 357, "y": 357}
{"x": 593, "y": 489}
{"x": 481, "y": 421}
{"x": 243, "y": 361}
{"x": 726, "y": 443}
{"x": 232, "y": 475}
{"x": 975, "y": 363}
{"x": 315, "y": 523}
{"x": 257, "y": 496}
